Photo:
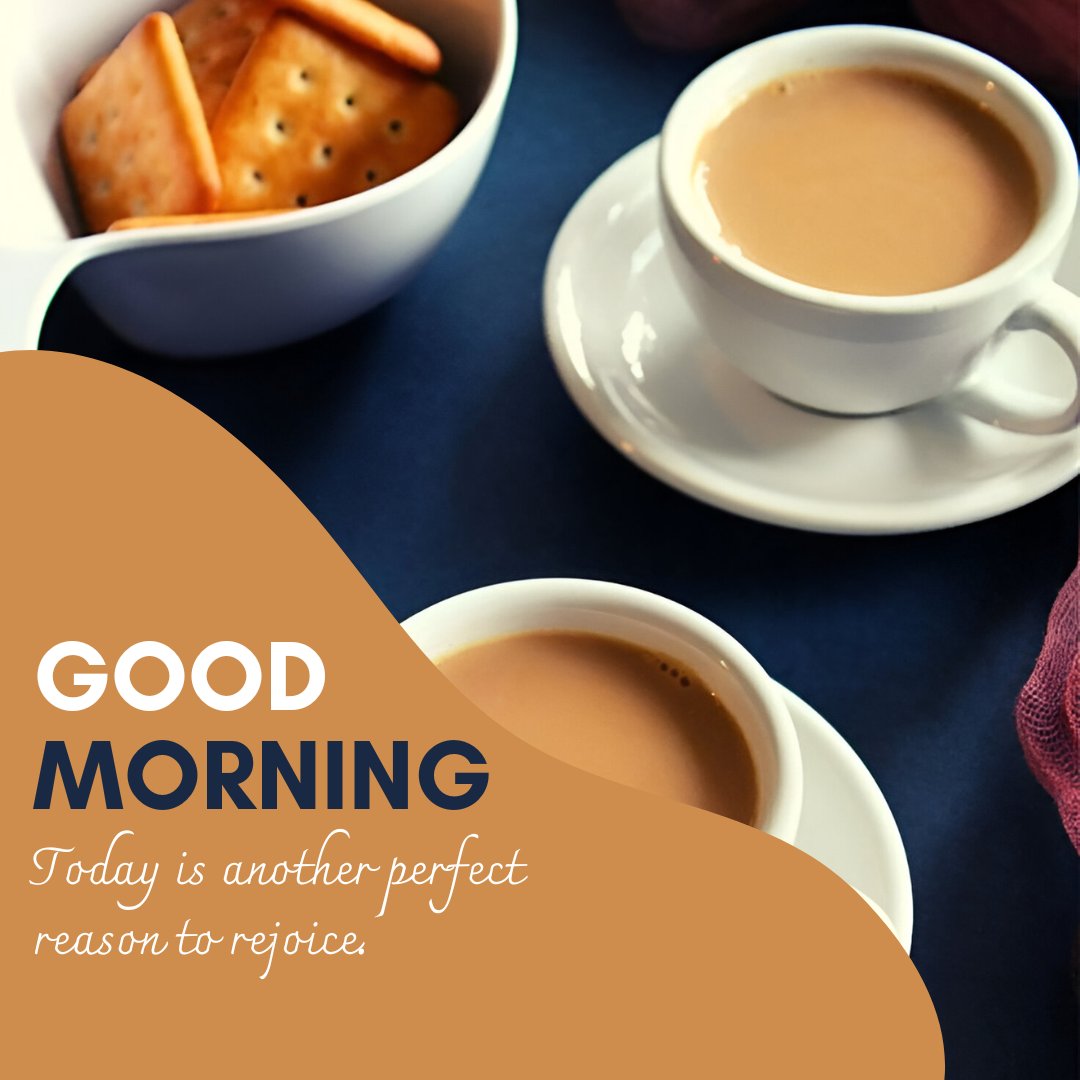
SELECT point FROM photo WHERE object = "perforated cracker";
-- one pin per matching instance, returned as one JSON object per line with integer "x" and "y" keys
{"x": 217, "y": 35}
{"x": 188, "y": 219}
{"x": 367, "y": 24}
{"x": 89, "y": 72}
{"x": 312, "y": 117}
{"x": 136, "y": 138}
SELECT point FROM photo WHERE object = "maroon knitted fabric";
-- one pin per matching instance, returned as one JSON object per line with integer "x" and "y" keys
{"x": 1048, "y": 711}
{"x": 1037, "y": 37}
{"x": 702, "y": 24}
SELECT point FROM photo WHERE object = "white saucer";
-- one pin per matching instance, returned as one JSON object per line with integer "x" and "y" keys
{"x": 846, "y": 822}
{"x": 628, "y": 351}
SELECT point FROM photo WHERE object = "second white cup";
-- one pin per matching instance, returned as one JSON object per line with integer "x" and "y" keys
{"x": 650, "y": 622}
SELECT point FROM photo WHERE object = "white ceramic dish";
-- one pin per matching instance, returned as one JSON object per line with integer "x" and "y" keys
{"x": 830, "y": 807}
{"x": 232, "y": 287}
{"x": 633, "y": 358}
{"x": 846, "y": 822}
{"x": 653, "y": 623}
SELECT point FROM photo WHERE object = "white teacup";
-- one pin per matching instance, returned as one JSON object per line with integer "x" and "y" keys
{"x": 853, "y": 354}
{"x": 650, "y": 622}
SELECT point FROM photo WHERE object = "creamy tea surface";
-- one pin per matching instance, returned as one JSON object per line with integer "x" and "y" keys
{"x": 615, "y": 710}
{"x": 870, "y": 181}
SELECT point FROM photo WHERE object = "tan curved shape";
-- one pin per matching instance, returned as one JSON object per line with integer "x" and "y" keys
{"x": 650, "y": 939}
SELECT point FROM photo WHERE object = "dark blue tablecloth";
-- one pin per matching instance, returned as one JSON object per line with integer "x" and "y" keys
{"x": 434, "y": 442}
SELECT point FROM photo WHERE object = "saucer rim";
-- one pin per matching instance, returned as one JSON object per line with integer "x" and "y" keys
{"x": 665, "y": 461}
{"x": 887, "y": 836}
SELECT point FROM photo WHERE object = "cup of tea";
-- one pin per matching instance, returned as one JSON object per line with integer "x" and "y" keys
{"x": 625, "y": 685}
{"x": 856, "y": 212}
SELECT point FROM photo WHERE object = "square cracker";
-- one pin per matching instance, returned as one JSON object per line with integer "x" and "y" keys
{"x": 135, "y": 136}
{"x": 89, "y": 72}
{"x": 312, "y": 117}
{"x": 217, "y": 35}
{"x": 167, "y": 220}
{"x": 368, "y": 24}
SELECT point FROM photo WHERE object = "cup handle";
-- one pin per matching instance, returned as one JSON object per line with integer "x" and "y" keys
{"x": 1055, "y": 313}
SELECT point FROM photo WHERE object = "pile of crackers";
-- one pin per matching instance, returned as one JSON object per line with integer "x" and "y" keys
{"x": 231, "y": 108}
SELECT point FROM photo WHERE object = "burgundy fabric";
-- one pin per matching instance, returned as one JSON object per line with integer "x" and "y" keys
{"x": 701, "y": 24}
{"x": 1037, "y": 37}
{"x": 1048, "y": 711}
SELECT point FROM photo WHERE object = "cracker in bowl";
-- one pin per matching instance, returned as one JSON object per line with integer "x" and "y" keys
{"x": 313, "y": 117}
{"x": 135, "y": 137}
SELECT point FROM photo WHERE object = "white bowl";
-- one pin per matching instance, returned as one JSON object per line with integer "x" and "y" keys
{"x": 651, "y": 622}
{"x": 232, "y": 287}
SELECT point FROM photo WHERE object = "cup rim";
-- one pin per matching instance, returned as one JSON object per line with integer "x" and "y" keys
{"x": 780, "y": 807}
{"x": 1052, "y": 224}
